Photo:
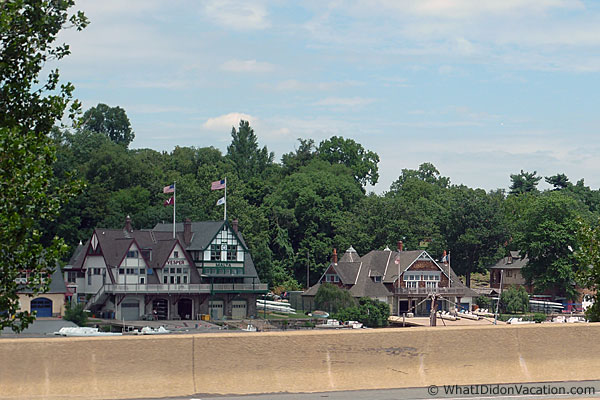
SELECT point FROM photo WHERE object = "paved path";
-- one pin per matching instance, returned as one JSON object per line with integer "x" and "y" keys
{"x": 534, "y": 391}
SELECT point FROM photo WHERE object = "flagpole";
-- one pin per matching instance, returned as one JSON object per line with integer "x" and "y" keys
{"x": 174, "y": 205}
{"x": 225, "y": 209}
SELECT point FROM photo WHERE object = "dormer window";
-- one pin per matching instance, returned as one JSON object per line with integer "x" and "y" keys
{"x": 377, "y": 279}
{"x": 176, "y": 254}
{"x": 332, "y": 278}
{"x": 132, "y": 254}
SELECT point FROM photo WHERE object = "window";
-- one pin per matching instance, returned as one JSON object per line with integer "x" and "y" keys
{"x": 215, "y": 252}
{"x": 72, "y": 276}
{"x": 377, "y": 279}
{"x": 121, "y": 271}
{"x": 231, "y": 252}
{"x": 176, "y": 254}
{"x": 411, "y": 284}
{"x": 431, "y": 285}
{"x": 508, "y": 273}
{"x": 165, "y": 279}
{"x": 132, "y": 254}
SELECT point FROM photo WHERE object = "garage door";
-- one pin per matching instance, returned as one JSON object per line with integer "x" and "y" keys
{"x": 42, "y": 306}
{"x": 130, "y": 311}
{"x": 238, "y": 309}
{"x": 216, "y": 309}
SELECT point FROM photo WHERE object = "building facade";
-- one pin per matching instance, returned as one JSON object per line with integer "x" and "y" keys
{"x": 48, "y": 304}
{"x": 205, "y": 268}
{"x": 406, "y": 280}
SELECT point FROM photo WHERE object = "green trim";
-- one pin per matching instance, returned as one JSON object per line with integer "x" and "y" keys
{"x": 229, "y": 228}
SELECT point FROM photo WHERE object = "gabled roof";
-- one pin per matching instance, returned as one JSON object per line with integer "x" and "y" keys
{"x": 202, "y": 232}
{"x": 57, "y": 283}
{"x": 516, "y": 263}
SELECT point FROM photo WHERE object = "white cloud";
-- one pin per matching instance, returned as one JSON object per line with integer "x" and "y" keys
{"x": 344, "y": 101}
{"x": 247, "y": 66}
{"x": 238, "y": 15}
{"x": 227, "y": 121}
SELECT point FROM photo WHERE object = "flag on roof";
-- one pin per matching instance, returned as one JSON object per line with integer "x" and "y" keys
{"x": 169, "y": 202}
{"x": 216, "y": 185}
{"x": 221, "y": 201}
{"x": 169, "y": 189}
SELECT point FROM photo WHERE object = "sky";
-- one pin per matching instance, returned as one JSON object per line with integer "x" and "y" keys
{"x": 481, "y": 89}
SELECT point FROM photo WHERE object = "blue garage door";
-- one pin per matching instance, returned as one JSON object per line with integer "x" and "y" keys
{"x": 43, "y": 306}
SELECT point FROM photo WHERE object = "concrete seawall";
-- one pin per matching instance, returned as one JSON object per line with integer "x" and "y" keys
{"x": 305, "y": 361}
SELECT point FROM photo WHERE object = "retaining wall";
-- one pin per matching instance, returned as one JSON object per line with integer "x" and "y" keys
{"x": 303, "y": 361}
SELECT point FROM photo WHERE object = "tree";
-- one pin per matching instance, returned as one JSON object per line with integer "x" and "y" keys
{"x": 110, "y": 121}
{"x": 76, "y": 313}
{"x": 588, "y": 256}
{"x": 546, "y": 233}
{"x": 474, "y": 229}
{"x": 362, "y": 163}
{"x": 559, "y": 181}
{"x": 332, "y": 298}
{"x": 524, "y": 182}
{"x": 30, "y": 196}
{"x": 248, "y": 159}
{"x": 427, "y": 172}
{"x": 514, "y": 300}
{"x": 372, "y": 313}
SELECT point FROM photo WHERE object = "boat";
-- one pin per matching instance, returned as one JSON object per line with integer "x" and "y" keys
{"x": 250, "y": 328}
{"x": 353, "y": 324}
{"x": 330, "y": 324}
{"x": 483, "y": 312}
{"x": 447, "y": 316}
{"x": 151, "y": 331}
{"x": 319, "y": 314}
{"x": 468, "y": 315}
{"x": 83, "y": 331}
{"x": 518, "y": 321}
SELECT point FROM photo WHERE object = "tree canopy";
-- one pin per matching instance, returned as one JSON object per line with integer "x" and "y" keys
{"x": 30, "y": 195}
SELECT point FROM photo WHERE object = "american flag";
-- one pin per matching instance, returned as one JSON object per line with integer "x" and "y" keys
{"x": 169, "y": 189}
{"x": 216, "y": 185}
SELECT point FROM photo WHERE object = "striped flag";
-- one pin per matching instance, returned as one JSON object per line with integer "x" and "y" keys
{"x": 221, "y": 201}
{"x": 169, "y": 202}
{"x": 216, "y": 185}
{"x": 169, "y": 189}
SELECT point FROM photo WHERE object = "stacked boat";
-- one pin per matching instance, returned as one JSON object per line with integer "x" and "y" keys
{"x": 274, "y": 306}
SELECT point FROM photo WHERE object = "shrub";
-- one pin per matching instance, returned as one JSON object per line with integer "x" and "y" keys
{"x": 483, "y": 302}
{"x": 76, "y": 313}
{"x": 539, "y": 317}
{"x": 371, "y": 313}
{"x": 332, "y": 298}
{"x": 514, "y": 300}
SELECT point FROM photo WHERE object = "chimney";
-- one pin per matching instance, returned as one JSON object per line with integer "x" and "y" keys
{"x": 400, "y": 245}
{"x": 234, "y": 225}
{"x": 334, "y": 258}
{"x": 187, "y": 231}
{"x": 128, "y": 227}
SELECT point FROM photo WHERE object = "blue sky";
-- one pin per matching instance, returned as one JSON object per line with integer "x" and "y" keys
{"x": 481, "y": 89}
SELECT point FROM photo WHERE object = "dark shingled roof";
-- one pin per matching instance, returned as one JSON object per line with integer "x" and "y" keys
{"x": 381, "y": 263}
{"x": 57, "y": 283}
{"x": 517, "y": 262}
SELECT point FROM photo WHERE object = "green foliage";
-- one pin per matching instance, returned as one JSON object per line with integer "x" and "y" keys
{"x": 331, "y": 298}
{"x": 371, "y": 313}
{"x": 539, "y": 317}
{"x": 484, "y": 302}
{"x": 362, "y": 163}
{"x": 546, "y": 233}
{"x": 513, "y": 300}
{"x": 30, "y": 196}
{"x": 474, "y": 229}
{"x": 249, "y": 161}
{"x": 559, "y": 181}
{"x": 524, "y": 182}
{"x": 76, "y": 314}
{"x": 588, "y": 257}
{"x": 110, "y": 121}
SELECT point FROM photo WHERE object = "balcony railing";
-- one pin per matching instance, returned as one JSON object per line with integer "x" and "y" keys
{"x": 426, "y": 291}
{"x": 184, "y": 288}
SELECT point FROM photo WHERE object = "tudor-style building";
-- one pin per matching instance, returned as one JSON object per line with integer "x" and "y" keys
{"x": 128, "y": 274}
{"x": 403, "y": 279}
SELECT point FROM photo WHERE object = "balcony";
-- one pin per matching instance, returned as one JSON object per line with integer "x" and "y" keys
{"x": 427, "y": 291}
{"x": 185, "y": 288}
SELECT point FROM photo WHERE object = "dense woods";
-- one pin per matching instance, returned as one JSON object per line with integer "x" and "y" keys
{"x": 294, "y": 212}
